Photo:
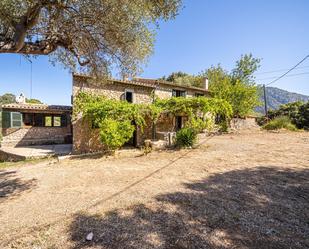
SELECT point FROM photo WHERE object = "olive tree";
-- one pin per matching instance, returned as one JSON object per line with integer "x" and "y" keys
{"x": 87, "y": 35}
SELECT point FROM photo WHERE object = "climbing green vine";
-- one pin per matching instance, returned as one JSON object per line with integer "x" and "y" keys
{"x": 117, "y": 120}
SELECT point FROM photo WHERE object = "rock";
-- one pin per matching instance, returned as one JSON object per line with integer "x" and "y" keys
{"x": 89, "y": 236}
{"x": 270, "y": 231}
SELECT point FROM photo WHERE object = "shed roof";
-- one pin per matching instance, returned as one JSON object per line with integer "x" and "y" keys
{"x": 38, "y": 107}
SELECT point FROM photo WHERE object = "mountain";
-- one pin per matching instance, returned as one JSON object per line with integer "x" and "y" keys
{"x": 277, "y": 97}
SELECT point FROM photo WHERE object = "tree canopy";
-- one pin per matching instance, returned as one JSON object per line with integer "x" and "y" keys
{"x": 7, "y": 98}
{"x": 87, "y": 35}
{"x": 236, "y": 87}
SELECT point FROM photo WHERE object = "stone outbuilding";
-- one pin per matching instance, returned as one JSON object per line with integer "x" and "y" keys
{"x": 25, "y": 124}
{"x": 86, "y": 138}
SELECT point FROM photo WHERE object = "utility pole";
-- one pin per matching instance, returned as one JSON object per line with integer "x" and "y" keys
{"x": 265, "y": 101}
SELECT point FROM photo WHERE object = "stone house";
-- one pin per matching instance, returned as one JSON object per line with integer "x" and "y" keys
{"x": 25, "y": 124}
{"x": 86, "y": 139}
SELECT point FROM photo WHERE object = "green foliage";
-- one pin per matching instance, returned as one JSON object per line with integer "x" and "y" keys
{"x": 281, "y": 122}
{"x": 303, "y": 117}
{"x": 117, "y": 120}
{"x": 85, "y": 35}
{"x": 245, "y": 68}
{"x": 7, "y": 98}
{"x": 186, "y": 137}
{"x": 200, "y": 124}
{"x": 297, "y": 112}
{"x": 114, "y": 133}
{"x": 198, "y": 109}
{"x": 33, "y": 101}
{"x": 184, "y": 79}
{"x": 237, "y": 87}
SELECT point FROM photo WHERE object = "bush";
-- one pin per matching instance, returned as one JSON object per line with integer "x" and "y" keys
{"x": 186, "y": 137}
{"x": 282, "y": 122}
{"x": 114, "y": 134}
{"x": 297, "y": 112}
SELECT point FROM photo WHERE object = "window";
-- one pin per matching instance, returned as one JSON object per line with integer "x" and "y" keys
{"x": 16, "y": 119}
{"x": 129, "y": 96}
{"x": 57, "y": 121}
{"x": 48, "y": 121}
{"x": 198, "y": 94}
{"x": 178, "y": 123}
{"x": 179, "y": 93}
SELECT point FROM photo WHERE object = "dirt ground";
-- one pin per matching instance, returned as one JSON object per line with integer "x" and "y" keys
{"x": 247, "y": 190}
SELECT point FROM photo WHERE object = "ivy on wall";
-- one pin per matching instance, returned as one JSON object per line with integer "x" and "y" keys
{"x": 117, "y": 120}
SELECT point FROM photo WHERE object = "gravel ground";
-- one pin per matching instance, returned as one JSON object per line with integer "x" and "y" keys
{"x": 246, "y": 190}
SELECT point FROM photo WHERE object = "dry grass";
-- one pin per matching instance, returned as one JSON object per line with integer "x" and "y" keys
{"x": 249, "y": 190}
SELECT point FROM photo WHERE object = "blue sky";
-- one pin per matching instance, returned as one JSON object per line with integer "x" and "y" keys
{"x": 205, "y": 33}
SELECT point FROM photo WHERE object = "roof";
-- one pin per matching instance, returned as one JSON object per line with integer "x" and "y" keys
{"x": 152, "y": 83}
{"x": 37, "y": 107}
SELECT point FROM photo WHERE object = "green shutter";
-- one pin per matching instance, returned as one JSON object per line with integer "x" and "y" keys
{"x": 6, "y": 119}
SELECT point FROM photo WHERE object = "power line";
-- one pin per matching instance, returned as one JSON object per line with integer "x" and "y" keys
{"x": 279, "y": 70}
{"x": 275, "y": 80}
{"x": 291, "y": 75}
{"x": 280, "y": 77}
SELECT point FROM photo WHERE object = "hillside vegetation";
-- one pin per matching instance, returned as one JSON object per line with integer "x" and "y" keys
{"x": 277, "y": 97}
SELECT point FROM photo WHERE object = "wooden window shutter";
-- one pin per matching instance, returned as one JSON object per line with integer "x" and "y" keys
{"x": 6, "y": 119}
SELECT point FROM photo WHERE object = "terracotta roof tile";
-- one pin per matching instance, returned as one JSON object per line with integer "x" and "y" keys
{"x": 153, "y": 83}
{"x": 37, "y": 107}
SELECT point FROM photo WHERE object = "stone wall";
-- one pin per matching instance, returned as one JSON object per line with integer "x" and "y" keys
{"x": 35, "y": 136}
{"x": 86, "y": 139}
{"x": 115, "y": 90}
{"x": 244, "y": 123}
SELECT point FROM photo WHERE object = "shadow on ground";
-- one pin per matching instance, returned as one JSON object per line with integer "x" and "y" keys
{"x": 262, "y": 207}
{"x": 12, "y": 186}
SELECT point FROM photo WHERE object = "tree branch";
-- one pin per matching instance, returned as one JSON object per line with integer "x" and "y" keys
{"x": 37, "y": 48}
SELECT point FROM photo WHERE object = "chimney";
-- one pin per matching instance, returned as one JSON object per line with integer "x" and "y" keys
{"x": 205, "y": 83}
{"x": 21, "y": 99}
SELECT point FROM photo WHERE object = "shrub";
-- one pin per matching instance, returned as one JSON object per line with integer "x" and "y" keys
{"x": 297, "y": 112}
{"x": 282, "y": 122}
{"x": 114, "y": 134}
{"x": 199, "y": 124}
{"x": 186, "y": 137}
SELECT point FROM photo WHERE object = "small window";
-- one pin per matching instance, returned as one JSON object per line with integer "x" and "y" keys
{"x": 179, "y": 93}
{"x": 178, "y": 123}
{"x": 198, "y": 94}
{"x": 129, "y": 96}
{"x": 16, "y": 119}
{"x": 48, "y": 121}
{"x": 57, "y": 121}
